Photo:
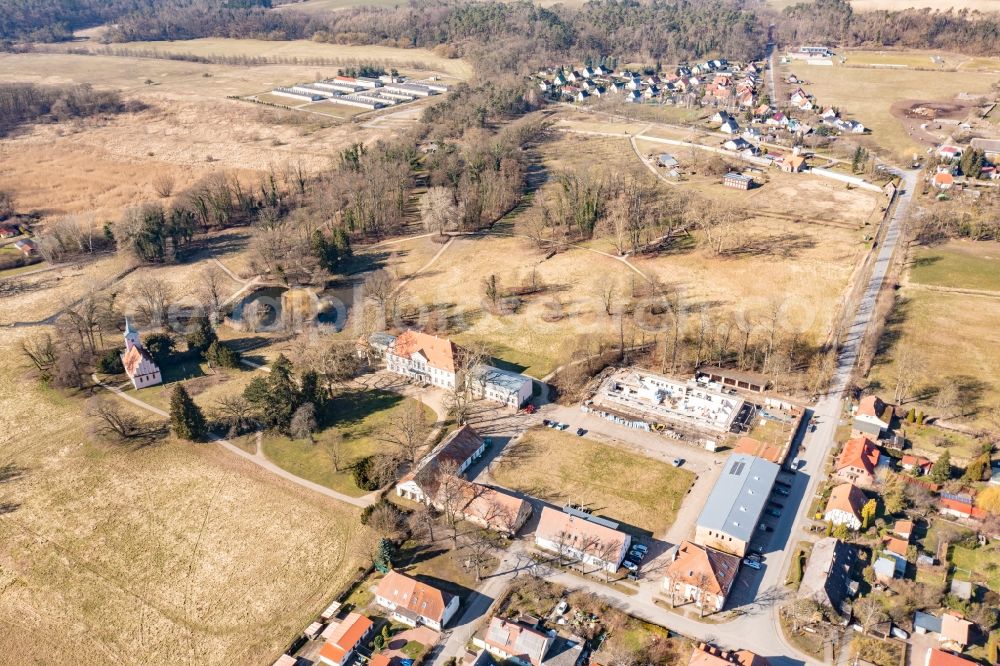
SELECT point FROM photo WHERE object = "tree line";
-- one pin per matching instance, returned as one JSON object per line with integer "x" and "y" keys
{"x": 835, "y": 21}
{"x": 22, "y": 103}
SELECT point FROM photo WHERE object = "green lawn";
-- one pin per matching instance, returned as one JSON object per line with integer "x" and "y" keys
{"x": 979, "y": 565}
{"x": 610, "y": 480}
{"x": 960, "y": 265}
{"x": 355, "y": 417}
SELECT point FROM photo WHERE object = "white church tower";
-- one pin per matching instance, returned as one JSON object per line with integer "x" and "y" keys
{"x": 139, "y": 365}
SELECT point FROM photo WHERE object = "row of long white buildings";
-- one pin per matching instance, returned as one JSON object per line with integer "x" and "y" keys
{"x": 359, "y": 91}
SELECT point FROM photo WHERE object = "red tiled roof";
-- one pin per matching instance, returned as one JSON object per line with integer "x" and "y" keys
{"x": 959, "y": 506}
{"x": 710, "y": 569}
{"x": 440, "y": 353}
{"x": 859, "y": 453}
{"x": 344, "y": 637}
{"x": 938, "y": 657}
{"x": 846, "y": 497}
{"x": 413, "y": 595}
{"x": 896, "y": 546}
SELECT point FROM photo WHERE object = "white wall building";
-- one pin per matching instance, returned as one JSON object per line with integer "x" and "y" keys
{"x": 139, "y": 365}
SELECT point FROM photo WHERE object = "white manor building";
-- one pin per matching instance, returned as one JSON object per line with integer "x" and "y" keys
{"x": 139, "y": 365}
{"x": 437, "y": 361}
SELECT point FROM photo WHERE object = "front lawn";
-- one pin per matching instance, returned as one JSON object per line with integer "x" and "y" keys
{"x": 354, "y": 418}
{"x": 610, "y": 480}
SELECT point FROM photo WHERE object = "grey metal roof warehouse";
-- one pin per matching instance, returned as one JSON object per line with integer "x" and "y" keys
{"x": 739, "y": 496}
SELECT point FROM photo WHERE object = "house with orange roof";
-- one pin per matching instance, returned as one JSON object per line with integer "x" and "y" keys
{"x": 700, "y": 575}
{"x": 584, "y": 538}
{"x": 844, "y": 506}
{"x": 139, "y": 365}
{"x": 871, "y": 417}
{"x": 903, "y": 529}
{"x": 459, "y": 450}
{"x": 917, "y": 464}
{"x": 413, "y": 603}
{"x": 943, "y": 180}
{"x": 960, "y": 506}
{"x": 344, "y": 638}
{"x": 794, "y": 164}
{"x": 950, "y": 627}
{"x": 428, "y": 359}
{"x": 936, "y": 657}
{"x": 857, "y": 462}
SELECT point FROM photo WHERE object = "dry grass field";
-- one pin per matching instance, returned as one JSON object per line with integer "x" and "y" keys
{"x": 172, "y": 553}
{"x": 951, "y": 290}
{"x": 561, "y": 468}
{"x": 807, "y": 236}
{"x": 418, "y": 62}
{"x": 868, "y": 95}
{"x": 190, "y": 130}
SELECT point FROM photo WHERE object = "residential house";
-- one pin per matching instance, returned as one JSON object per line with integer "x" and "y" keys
{"x": 709, "y": 655}
{"x": 844, "y": 506}
{"x": 633, "y": 96}
{"x": 730, "y": 126}
{"x": 884, "y": 568}
{"x": 857, "y": 462}
{"x": 700, "y": 575}
{"x": 829, "y": 113}
{"x": 827, "y": 577}
{"x": 8, "y": 231}
{"x": 481, "y": 505}
{"x": 27, "y": 247}
{"x": 734, "y": 507}
{"x": 895, "y": 549}
{"x": 414, "y": 603}
{"x": 515, "y": 642}
{"x": 917, "y": 464}
{"x": 872, "y": 417}
{"x": 949, "y": 152}
{"x": 344, "y": 638}
{"x": 139, "y": 365}
{"x": 950, "y": 627}
{"x": 960, "y": 506}
{"x": 903, "y": 529}
{"x": 936, "y": 657}
{"x": 667, "y": 160}
{"x": 943, "y": 180}
{"x": 736, "y": 144}
{"x": 794, "y": 164}
{"x": 584, "y": 538}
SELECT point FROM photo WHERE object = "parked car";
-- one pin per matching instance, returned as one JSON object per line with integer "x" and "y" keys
{"x": 631, "y": 566}
{"x": 755, "y": 557}
{"x": 580, "y": 432}
{"x": 546, "y": 422}
{"x": 776, "y": 505}
{"x": 636, "y": 555}
{"x": 640, "y": 547}
{"x": 899, "y": 632}
{"x": 677, "y": 462}
{"x": 773, "y": 512}
{"x": 779, "y": 490}
{"x": 764, "y": 528}
{"x": 562, "y": 607}
{"x": 753, "y": 564}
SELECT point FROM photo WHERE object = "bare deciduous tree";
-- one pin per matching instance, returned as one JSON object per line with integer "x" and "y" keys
{"x": 163, "y": 185}
{"x": 115, "y": 421}
{"x": 235, "y": 412}
{"x": 407, "y": 432}
{"x": 151, "y": 299}
{"x": 439, "y": 211}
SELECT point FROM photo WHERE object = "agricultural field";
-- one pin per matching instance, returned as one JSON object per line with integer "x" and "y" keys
{"x": 354, "y": 418}
{"x": 175, "y": 549}
{"x": 868, "y": 95}
{"x": 560, "y": 468}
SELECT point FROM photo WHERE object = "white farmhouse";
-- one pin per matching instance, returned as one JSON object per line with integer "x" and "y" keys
{"x": 414, "y": 603}
{"x": 139, "y": 365}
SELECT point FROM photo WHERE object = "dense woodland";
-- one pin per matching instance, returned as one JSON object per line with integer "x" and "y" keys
{"x": 834, "y": 21}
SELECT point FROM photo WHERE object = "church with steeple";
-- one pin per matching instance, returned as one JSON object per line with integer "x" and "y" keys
{"x": 139, "y": 365}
